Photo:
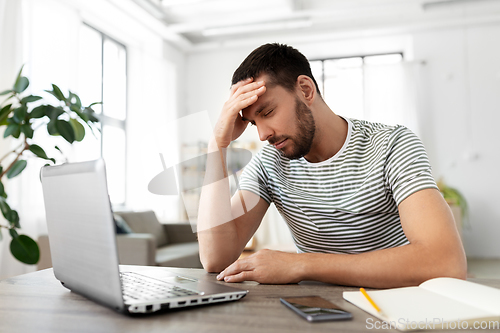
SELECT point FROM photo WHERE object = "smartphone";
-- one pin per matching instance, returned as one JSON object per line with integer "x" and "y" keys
{"x": 315, "y": 308}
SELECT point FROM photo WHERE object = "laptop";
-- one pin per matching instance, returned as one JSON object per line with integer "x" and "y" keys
{"x": 84, "y": 255}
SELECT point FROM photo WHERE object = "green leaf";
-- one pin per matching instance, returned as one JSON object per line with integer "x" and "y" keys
{"x": 3, "y": 194}
{"x": 12, "y": 129}
{"x": 38, "y": 112}
{"x": 52, "y": 112}
{"x": 20, "y": 72}
{"x": 20, "y": 113}
{"x": 21, "y": 84}
{"x": 78, "y": 102}
{"x": 4, "y": 112}
{"x": 13, "y": 218}
{"x": 82, "y": 115}
{"x": 90, "y": 114}
{"x": 30, "y": 98}
{"x": 27, "y": 130}
{"x": 17, "y": 133}
{"x": 25, "y": 249}
{"x": 66, "y": 130}
{"x": 95, "y": 103}
{"x": 5, "y": 92}
{"x": 18, "y": 167}
{"x": 13, "y": 233}
{"x": 4, "y": 206}
{"x": 51, "y": 127}
{"x": 57, "y": 93}
{"x": 56, "y": 147}
{"x": 78, "y": 129}
{"x": 38, "y": 151}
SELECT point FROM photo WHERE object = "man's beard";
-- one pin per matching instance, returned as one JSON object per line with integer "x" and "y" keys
{"x": 306, "y": 127}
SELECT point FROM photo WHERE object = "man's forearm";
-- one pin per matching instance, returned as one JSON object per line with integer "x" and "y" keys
{"x": 407, "y": 265}
{"x": 217, "y": 233}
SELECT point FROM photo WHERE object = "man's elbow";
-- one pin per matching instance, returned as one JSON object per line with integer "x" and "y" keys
{"x": 212, "y": 265}
{"x": 454, "y": 266}
{"x": 458, "y": 270}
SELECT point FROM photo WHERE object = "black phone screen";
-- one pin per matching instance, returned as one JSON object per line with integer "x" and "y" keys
{"x": 315, "y": 308}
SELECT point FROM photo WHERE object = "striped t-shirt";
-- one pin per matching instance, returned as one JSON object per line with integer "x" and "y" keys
{"x": 348, "y": 203}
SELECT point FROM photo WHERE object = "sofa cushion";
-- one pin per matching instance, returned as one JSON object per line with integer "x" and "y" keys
{"x": 145, "y": 223}
{"x": 179, "y": 255}
{"x": 121, "y": 226}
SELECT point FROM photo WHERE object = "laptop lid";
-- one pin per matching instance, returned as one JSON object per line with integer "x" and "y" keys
{"x": 81, "y": 230}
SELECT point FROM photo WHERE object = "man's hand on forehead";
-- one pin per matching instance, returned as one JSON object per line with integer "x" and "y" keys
{"x": 239, "y": 84}
{"x": 230, "y": 124}
{"x": 246, "y": 85}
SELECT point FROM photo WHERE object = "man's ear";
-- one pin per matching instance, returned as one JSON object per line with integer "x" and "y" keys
{"x": 306, "y": 88}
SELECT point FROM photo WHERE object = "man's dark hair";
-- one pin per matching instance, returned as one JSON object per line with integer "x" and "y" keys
{"x": 282, "y": 63}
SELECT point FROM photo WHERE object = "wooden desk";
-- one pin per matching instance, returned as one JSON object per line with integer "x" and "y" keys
{"x": 37, "y": 302}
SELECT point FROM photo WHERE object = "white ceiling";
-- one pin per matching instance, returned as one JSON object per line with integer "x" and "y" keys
{"x": 205, "y": 21}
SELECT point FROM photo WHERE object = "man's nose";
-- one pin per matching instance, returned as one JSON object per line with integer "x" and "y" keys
{"x": 265, "y": 133}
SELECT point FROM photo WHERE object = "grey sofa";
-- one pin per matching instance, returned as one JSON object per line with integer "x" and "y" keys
{"x": 153, "y": 243}
{"x": 150, "y": 243}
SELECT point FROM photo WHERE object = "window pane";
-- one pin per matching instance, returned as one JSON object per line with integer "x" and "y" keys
{"x": 90, "y": 147}
{"x": 90, "y": 67}
{"x": 114, "y": 80}
{"x": 384, "y": 59}
{"x": 348, "y": 62}
{"x": 344, "y": 86}
{"x": 113, "y": 152}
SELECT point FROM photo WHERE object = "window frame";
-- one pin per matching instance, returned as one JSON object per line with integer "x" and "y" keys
{"x": 105, "y": 120}
{"x": 348, "y": 57}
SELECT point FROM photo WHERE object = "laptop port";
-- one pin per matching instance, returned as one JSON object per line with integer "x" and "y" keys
{"x": 203, "y": 300}
{"x": 218, "y": 298}
{"x": 149, "y": 307}
{"x": 165, "y": 306}
{"x": 194, "y": 301}
{"x": 181, "y": 303}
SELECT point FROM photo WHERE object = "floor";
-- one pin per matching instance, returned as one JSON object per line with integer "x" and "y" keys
{"x": 483, "y": 268}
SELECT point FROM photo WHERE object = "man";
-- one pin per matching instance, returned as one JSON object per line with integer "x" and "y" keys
{"x": 358, "y": 197}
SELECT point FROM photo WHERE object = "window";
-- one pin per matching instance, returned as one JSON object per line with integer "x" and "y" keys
{"x": 342, "y": 81}
{"x": 103, "y": 77}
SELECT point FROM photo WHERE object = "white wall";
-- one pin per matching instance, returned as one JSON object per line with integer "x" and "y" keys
{"x": 463, "y": 77}
{"x": 459, "y": 110}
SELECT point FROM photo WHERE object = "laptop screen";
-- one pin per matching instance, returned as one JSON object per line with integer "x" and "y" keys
{"x": 81, "y": 230}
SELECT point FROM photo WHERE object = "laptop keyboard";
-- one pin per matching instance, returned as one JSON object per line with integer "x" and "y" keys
{"x": 140, "y": 287}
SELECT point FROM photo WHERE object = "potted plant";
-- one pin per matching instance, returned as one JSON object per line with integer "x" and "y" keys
{"x": 21, "y": 119}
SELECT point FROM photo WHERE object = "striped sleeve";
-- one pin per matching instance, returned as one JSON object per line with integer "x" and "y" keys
{"x": 255, "y": 179}
{"x": 407, "y": 168}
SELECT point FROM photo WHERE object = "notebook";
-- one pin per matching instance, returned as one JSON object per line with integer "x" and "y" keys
{"x": 440, "y": 303}
{"x": 82, "y": 240}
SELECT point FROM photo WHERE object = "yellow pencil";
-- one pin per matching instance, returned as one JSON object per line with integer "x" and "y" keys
{"x": 379, "y": 310}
